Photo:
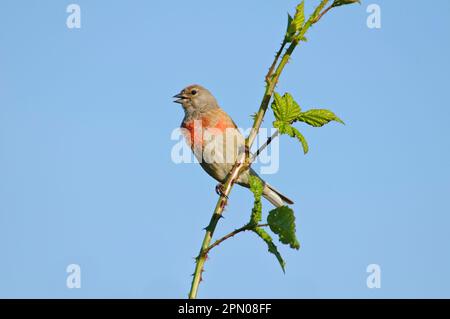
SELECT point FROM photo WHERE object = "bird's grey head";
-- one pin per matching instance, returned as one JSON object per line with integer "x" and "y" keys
{"x": 195, "y": 98}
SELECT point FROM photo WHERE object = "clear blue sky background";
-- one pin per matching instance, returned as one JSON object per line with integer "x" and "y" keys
{"x": 86, "y": 175}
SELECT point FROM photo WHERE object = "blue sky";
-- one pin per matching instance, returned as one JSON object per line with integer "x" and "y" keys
{"x": 86, "y": 175}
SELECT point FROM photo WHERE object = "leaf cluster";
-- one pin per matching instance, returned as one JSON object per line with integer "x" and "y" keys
{"x": 281, "y": 221}
{"x": 287, "y": 111}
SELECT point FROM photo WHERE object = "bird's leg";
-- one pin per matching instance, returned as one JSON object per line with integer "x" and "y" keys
{"x": 220, "y": 192}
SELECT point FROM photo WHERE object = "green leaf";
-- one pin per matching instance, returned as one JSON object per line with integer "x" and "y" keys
{"x": 318, "y": 117}
{"x": 285, "y": 108}
{"x": 256, "y": 186}
{"x": 278, "y": 105}
{"x": 299, "y": 18}
{"x": 290, "y": 31}
{"x": 338, "y": 3}
{"x": 271, "y": 246}
{"x": 282, "y": 127}
{"x": 282, "y": 222}
{"x": 295, "y": 24}
{"x": 285, "y": 128}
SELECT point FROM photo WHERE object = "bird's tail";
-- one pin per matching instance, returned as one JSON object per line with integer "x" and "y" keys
{"x": 275, "y": 197}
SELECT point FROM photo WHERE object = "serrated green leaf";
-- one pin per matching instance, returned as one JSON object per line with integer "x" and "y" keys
{"x": 270, "y": 245}
{"x": 299, "y": 18}
{"x": 285, "y": 108}
{"x": 338, "y": 3}
{"x": 287, "y": 129}
{"x": 282, "y": 222}
{"x": 318, "y": 117}
{"x": 296, "y": 23}
{"x": 256, "y": 186}
{"x": 293, "y": 109}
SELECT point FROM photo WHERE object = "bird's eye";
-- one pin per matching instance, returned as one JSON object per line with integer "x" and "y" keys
{"x": 193, "y": 92}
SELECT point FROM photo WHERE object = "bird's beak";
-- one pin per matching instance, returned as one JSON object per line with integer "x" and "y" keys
{"x": 179, "y": 98}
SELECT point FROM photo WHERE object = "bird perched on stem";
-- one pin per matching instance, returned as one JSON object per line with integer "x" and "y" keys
{"x": 215, "y": 139}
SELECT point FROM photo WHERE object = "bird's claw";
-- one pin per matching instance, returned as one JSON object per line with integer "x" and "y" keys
{"x": 220, "y": 191}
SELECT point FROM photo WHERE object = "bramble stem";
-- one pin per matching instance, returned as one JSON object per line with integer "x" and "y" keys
{"x": 244, "y": 161}
{"x": 277, "y": 56}
{"x": 231, "y": 234}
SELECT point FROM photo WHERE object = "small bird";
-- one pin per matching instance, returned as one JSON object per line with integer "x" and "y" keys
{"x": 215, "y": 139}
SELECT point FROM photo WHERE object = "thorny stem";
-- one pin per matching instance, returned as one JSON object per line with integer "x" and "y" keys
{"x": 201, "y": 258}
{"x": 231, "y": 234}
{"x": 244, "y": 160}
{"x": 277, "y": 56}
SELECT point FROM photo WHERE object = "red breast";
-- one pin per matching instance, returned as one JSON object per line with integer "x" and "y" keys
{"x": 216, "y": 120}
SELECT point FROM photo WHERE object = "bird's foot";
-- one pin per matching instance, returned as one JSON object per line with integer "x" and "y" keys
{"x": 220, "y": 190}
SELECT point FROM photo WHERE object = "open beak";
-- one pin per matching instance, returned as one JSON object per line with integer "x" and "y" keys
{"x": 179, "y": 98}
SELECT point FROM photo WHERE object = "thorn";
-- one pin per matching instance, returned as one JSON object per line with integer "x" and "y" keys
{"x": 201, "y": 275}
